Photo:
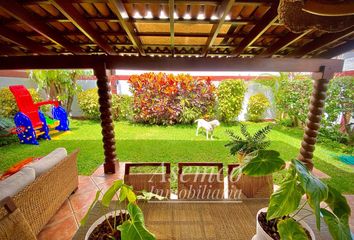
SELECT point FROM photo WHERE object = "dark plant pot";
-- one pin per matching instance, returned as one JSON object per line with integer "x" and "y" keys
{"x": 262, "y": 235}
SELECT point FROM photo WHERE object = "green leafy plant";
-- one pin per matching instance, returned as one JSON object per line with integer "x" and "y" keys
{"x": 257, "y": 105}
{"x": 285, "y": 203}
{"x": 189, "y": 115}
{"x": 8, "y": 102}
{"x": 131, "y": 225}
{"x": 89, "y": 105}
{"x": 59, "y": 84}
{"x": 230, "y": 97}
{"x": 247, "y": 143}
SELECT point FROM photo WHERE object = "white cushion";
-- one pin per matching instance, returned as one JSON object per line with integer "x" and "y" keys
{"x": 46, "y": 163}
{"x": 13, "y": 184}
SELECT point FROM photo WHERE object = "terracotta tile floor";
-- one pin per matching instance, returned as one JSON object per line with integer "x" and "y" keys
{"x": 66, "y": 221}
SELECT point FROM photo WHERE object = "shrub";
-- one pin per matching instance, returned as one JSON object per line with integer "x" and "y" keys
{"x": 230, "y": 97}
{"x": 292, "y": 99}
{"x": 8, "y": 103}
{"x": 88, "y": 102}
{"x": 5, "y": 138}
{"x": 168, "y": 99}
{"x": 125, "y": 108}
{"x": 257, "y": 105}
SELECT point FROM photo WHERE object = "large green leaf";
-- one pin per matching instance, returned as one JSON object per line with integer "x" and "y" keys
{"x": 338, "y": 227}
{"x": 109, "y": 194}
{"x": 286, "y": 199}
{"x": 315, "y": 190}
{"x": 337, "y": 202}
{"x": 289, "y": 229}
{"x": 267, "y": 162}
{"x": 84, "y": 219}
{"x": 134, "y": 228}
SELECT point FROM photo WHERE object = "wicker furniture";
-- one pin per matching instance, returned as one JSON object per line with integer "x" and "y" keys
{"x": 39, "y": 201}
{"x": 14, "y": 226}
{"x": 192, "y": 220}
{"x": 206, "y": 186}
{"x": 248, "y": 187}
{"x": 158, "y": 183}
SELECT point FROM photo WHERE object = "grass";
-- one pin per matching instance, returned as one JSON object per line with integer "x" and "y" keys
{"x": 143, "y": 143}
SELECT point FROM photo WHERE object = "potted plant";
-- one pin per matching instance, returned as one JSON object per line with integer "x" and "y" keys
{"x": 126, "y": 221}
{"x": 280, "y": 219}
{"x": 246, "y": 143}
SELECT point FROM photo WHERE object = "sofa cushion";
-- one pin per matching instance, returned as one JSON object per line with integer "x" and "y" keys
{"x": 16, "y": 182}
{"x": 48, "y": 161}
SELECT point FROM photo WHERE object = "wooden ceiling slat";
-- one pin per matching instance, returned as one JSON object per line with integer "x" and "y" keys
{"x": 322, "y": 41}
{"x": 268, "y": 19}
{"x": 80, "y": 22}
{"x": 7, "y": 50}
{"x": 222, "y": 11}
{"x": 37, "y": 24}
{"x": 171, "y": 8}
{"x": 118, "y": 8}
{"x": 282, "y": 43}
{"x": 330, "y": 53}
{"x": 20, "y": 40}
{"x": 103, "y": 9}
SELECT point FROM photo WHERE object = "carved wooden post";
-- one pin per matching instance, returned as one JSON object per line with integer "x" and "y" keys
{"x": 105, "y": 102}
{"x": 314, "y": 116}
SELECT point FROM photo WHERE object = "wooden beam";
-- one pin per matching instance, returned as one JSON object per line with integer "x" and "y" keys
{"x": 69, "y": 11}
{"x": 9, "y": 51}
{"x": 23, "y": 41}
{"x": 267, "y": 20}
{"x": 324, "y": 40}
{"x": 171, "y": 64}
{"x": 171, "y": 10}
{"x": 338, "y": 50}
{"x": 221, "y": 13}
{"x": 283, "y": 42}
{"x": 20, "y": 13}
{"x": 118, "y": 8}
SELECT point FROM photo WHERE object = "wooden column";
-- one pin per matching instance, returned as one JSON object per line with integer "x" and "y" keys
{"x": 105, "y": 102}
{"x": 314, "y": 115}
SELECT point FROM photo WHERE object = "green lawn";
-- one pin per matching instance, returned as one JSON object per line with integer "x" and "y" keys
{"x": 143, "y": 143}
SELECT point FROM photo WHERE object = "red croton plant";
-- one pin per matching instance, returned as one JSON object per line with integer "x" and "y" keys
{"x": 161, "y": 98}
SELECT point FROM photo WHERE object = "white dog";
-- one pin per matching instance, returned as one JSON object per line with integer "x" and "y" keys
{"x": 208, "y": 126}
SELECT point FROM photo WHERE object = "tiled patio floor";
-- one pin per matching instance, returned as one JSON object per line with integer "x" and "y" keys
{"x": 64, "y": 224}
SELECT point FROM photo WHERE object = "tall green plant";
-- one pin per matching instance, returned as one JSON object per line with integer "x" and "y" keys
{"x": 230, "y": 98}
{"x": 58, "y": 84}
{"x": 286, "y": 202}
{"x": 257, "y": 105}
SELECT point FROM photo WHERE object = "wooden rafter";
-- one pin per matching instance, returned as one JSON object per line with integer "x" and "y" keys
{"x": 7, "y": 50}
{"x": 20, "y": 13}
{"x": 120, "y": 11}
{"x": 322, "y": 41}
{"x": 69, "y": 11}
{"x": 283, "y": 43}
{"x": 267, "y": 20}
{"x": 171, "y": 11}
{"x": 221, "y": 14}
{"x": 333, "y": 52}
{"x": 172, "y": 64}
{"x": 23, "y": 41}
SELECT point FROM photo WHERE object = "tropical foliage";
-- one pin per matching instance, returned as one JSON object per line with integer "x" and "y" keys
{"x": 89, "y": 105}
{"x": 230, "y": 98}
{"x": 8, "y": 102}
{"x": 286, "y": 202}
{"x": 292, "y": 99}
{"x": 257, "y": 105}
{"x": 161, "y": 98}
{"x": 132, "y": 225}
{"x": 58, "y": 84}
{"x": 247, "y": 143}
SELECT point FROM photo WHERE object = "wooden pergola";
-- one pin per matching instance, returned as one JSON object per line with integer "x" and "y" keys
{"x": 228, "y": 35}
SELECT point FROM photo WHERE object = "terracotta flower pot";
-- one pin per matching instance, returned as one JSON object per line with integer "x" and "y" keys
{"x": 262, "y": 235}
